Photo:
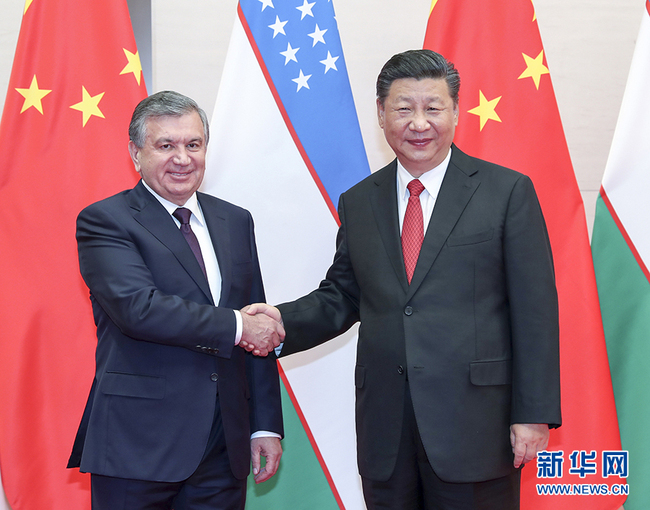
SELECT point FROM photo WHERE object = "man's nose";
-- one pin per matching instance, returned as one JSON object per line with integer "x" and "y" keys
{"x": 419, "y": 122}
{"x": 181, "y": 157}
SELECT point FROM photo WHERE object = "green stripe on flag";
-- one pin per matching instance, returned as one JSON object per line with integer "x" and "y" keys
{"x": 300, "y": 482}
{"x": 624, "y": 293}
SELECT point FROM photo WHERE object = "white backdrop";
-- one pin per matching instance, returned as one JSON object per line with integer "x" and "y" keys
{"x": 588, "y": 43}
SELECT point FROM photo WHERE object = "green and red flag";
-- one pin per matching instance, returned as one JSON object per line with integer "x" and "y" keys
{"x": 621, "y": 251}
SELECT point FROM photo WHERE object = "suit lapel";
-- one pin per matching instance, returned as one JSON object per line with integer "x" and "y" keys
{"x": 456, "y": 191}
{"x": 152, "y": 215}
{"x": 217, "y": 221}
{"x": 384, "y": 205}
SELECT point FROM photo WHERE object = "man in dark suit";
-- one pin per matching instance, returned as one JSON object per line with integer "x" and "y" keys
{"x": 174, "y": 401}
{"x": 446, "y": 262}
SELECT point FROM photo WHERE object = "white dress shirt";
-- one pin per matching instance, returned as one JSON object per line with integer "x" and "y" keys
{"x": 431, "y": 180}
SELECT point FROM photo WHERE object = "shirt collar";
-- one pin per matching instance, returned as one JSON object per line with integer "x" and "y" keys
{"x": 428, "y": 179}
{"x": 192, "y": 204}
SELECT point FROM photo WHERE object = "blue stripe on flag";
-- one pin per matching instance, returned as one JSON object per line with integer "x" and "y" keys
{"x": 300, "y": 45}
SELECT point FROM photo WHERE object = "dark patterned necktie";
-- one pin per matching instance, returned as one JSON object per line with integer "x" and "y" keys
{"x": 183, "y": 215}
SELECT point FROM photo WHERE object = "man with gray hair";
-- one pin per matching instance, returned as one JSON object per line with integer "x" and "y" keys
{"x": 178, "y": 407}
{"x": 445, "y": 261}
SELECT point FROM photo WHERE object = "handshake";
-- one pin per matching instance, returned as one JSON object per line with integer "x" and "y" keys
{"x": 263, "y": 330}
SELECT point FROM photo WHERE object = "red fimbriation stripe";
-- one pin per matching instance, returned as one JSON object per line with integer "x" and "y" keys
{"x": 285, "y": 116}
{"x": 310, "y": 436}
{"x": 621, "y": 228}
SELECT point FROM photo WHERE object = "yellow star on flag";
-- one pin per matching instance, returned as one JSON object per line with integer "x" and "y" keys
{"x": 33, "y": 96}
{"x": 27, "y": 4}
{"x": 89, "y": 105}
{"x": 134, "y": 66}
{"x": 535, "y": 68}
{"x": 486, "y": 110}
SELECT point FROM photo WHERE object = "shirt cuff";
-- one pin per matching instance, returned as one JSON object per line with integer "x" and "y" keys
{"x": 240, "y": 326}
{"x": 265, "y": 433}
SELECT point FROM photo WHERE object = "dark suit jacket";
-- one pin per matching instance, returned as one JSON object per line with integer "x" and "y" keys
{"x": 476, "y": 332}
{"x": 164, "y": 350}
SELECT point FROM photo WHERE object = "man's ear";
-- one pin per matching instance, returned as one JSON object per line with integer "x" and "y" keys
{"x": 380, "y": 113}
{"x": 134, "y": 151}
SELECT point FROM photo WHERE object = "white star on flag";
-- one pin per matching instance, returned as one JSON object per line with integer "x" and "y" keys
{"x": 305, "y": 9}
{"x": 290, "y": 54}
{"x": 267, "y": 3}
{"x": 317, "y": 35}
{"x": 329, "y": 62}
{"x": 302, "y": 81}
{"x": 278, "y": 27}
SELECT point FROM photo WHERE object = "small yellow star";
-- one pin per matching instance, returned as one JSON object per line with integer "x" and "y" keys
{"x": 486, "y": 110}
{"x": 535, "y": 68}
{"x": 33, "y": 96}
{"x": 89, "y": 105}
{"x": 27, "y": 4}
{"x": 134, "y": 66}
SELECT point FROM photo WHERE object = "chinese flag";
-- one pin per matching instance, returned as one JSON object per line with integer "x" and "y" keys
{"x": 75, "y": 81}
{"x": 508, "y": 115}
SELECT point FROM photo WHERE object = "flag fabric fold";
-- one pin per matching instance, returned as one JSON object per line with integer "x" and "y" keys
{"x": 509, "y": 115}
{"x": 64, "y": 132}
{"x": 285, "y": 144}
{"x": 621, "y": 251}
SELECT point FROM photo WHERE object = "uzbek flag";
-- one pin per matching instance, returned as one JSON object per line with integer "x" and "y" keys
{"x": 75, "y": 81}
{"x": 285, "y": 144}
{"x": 621, "y": 250}
{"x": 509, "y": 115}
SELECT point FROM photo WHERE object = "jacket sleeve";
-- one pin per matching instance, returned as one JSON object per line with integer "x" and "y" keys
{"x": 533, "y": 302}
{"x": 112, "y": 249}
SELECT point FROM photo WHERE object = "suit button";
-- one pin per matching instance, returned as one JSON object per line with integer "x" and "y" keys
{"x": 408, "y": 311}
{"x": 214, "y": 377}
{"x": 400, "y": 370}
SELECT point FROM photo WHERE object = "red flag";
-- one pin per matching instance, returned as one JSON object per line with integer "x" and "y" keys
{"x": 509, "y": 115}
{"x": 75, "y": 82}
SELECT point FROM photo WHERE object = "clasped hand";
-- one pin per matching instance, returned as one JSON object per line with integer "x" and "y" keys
{"x": 262, "y": 328}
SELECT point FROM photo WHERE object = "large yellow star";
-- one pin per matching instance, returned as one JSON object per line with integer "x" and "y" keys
{"x": 134, "y": 66}
{"x": 535, "y": 68}
{"x": 486, "y": 110}
{"x": 33, "y": 96}
{"x": 89, "y": 105}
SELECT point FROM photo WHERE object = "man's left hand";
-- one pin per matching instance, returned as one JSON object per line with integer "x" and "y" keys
{"x": 271, "y": 449}
{"x": 527, "y": 439}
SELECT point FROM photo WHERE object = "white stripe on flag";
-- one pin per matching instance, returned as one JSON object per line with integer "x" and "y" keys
{"x": 627, "y": 175}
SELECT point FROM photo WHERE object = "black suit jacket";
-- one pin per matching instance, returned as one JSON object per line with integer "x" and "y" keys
{"x": 164, "y": 349}
{"x": 476, "y": 332}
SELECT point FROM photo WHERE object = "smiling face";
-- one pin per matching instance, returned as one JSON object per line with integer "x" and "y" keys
{"x": 419, "y": 119}
{"x": 172, "y": 159}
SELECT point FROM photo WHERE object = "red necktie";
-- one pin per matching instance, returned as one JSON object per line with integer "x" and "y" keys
{"x": 183, "y": 215}
{"x": 413, "y": 228}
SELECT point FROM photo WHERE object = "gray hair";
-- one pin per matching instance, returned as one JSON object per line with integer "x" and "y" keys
{"x": 163, "y": 104}
{"x": 418, "y": 64}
